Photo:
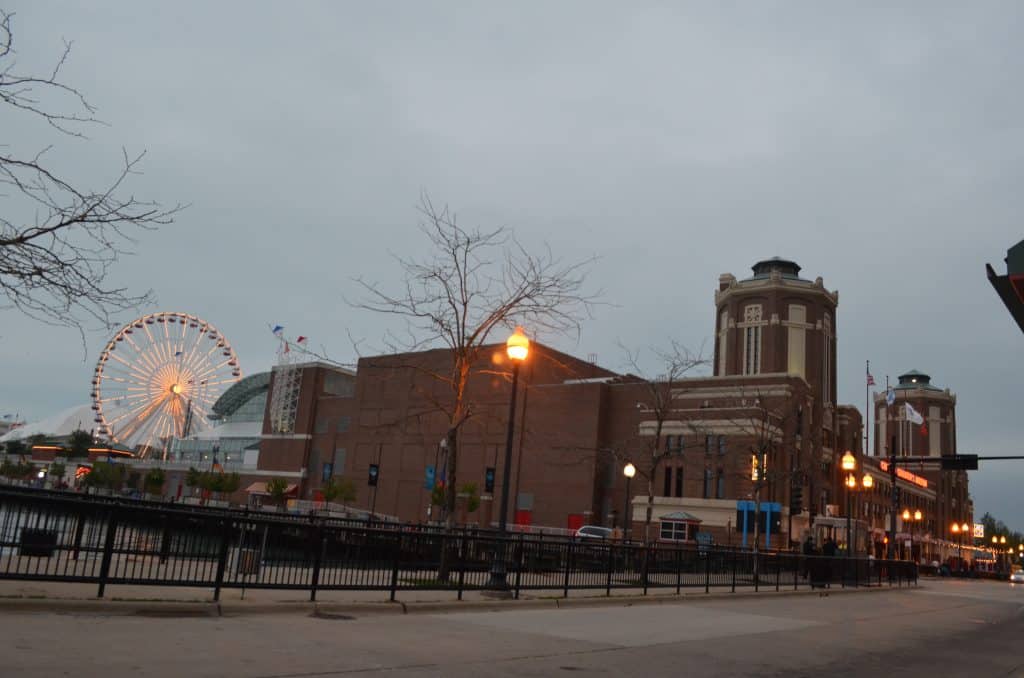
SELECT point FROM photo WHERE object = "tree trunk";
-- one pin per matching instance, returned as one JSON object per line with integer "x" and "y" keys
{"x": 445, "y": 565}
{"x": 650, "y": 507}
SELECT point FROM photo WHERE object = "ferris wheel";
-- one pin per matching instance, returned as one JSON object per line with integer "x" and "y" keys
{"x": 157, "y": 379}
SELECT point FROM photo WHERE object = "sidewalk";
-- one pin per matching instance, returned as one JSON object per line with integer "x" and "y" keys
{"x": 181, "y": 601}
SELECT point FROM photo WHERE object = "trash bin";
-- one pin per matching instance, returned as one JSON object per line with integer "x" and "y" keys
{"x": 37, "y": 542}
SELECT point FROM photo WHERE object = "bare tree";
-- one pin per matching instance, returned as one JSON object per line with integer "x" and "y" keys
{"x": 659, "y": 402}
{"x": 59, "y": 240}
{"x": 470, "y": 284}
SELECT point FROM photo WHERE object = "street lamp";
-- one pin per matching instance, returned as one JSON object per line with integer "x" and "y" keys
{"x": 517, "y": 347}
{"x": 911, "y": 518}
{"x": 627, "y": 519}
{"x": 849, "y": 463}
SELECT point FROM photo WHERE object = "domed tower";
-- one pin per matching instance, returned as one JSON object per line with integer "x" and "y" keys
{"x": 776, "y": 322}
{"x": 896, "y": 433}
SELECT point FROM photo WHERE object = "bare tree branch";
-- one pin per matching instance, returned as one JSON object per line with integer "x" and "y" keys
{"x": 54, "y": 265}
{"x": 469, "y": 284}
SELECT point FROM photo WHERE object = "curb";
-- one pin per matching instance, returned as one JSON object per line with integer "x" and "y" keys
{"x": 330, "y": 610}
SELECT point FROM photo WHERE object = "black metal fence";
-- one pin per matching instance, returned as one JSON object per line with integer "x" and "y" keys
{"x": 47, "y": 536}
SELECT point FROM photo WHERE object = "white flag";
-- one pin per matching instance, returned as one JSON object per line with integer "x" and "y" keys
{"x": 912, "y": 414}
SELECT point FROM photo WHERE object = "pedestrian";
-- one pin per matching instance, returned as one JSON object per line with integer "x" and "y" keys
{"x": 830, "y": 548}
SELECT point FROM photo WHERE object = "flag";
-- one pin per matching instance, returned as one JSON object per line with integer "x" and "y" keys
{"x": 871, "y": 380}
{"x": 912, "y": 414}
{"x": 278, "y": 330}
{"x": 890, "y": 397}
{"x": 301, "y": 340}
{"x": 924, "y": 429}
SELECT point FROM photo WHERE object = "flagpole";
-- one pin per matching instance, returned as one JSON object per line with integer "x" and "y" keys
{"x": 867, "y": 411}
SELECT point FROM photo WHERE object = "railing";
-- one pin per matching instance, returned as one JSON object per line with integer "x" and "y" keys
{"x": 47, "y": 536}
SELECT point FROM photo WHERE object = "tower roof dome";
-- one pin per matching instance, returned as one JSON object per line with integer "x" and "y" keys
{"x": 786, "y": 267}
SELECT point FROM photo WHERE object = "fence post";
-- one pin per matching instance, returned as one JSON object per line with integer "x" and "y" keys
{"x": 797, "y": 564}
{"x": 394, "y": 563}
{"x": 757, "y": 571}
{"x": 778, "y": 571}
{"x": 108, "y": 552}
{"x": 611, "y": 558}
{"x": 165, "y": 540}
{"x": 734, "y": 555}
{"x": 644, "y": 567}
{"x": 462, "y": 563}
{"x": 79, "y": 530}
{"x": 519, "y": 564}
{"x": 679, "y": 570}
{"x": 222, "y": 559}
{"x": 317, "y": 537}
{"x": 568, "y": 567}
{"x": 707, "y": 571}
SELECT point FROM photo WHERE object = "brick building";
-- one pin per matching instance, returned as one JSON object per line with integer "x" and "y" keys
{"x": 771, "y": 397}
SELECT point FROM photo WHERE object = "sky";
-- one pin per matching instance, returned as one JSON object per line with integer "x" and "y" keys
{"x": 879, "y": 145}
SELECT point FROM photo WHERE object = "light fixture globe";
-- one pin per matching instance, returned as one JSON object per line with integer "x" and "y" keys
{"x": 964, "y": 528}
{"x": 917, "y": 515}
{"x": 518, "y": 345}
{"x": 629, "y": 470}
{"x": 868, "y": 482}
{"x": 955, "y": 529}
{"x": 849, "y": 462}
{"x": 906, "y": 514}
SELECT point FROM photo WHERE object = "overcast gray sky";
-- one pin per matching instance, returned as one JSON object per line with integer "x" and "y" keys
{"x": 882, "y": 148}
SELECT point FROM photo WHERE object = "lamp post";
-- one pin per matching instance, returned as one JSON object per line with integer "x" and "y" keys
{"x": 517, "y": 347}
{"x": 911, "y": 519}
{"x": 627, "y": 518}
{"x": 849, "y": 463}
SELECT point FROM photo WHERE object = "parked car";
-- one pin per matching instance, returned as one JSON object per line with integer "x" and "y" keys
{"x": 594, "y": 532}
{"x": 1017, "y": 577}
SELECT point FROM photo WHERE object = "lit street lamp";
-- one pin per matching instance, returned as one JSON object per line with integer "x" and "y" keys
{"x": 911, "y": 519}
{"x": 849, "y": 464}
{"x": 627, "y": 518}
{"x": 961, "y": 532}
{"x": 517, "y": 347}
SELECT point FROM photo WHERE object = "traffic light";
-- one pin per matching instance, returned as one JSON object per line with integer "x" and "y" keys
{"x": 489, "y": 480}
{"x": 1010, "y": 287}
{"x": 796, "y": 500}
{"x": 374, "y": 475}
{"x": 960, "y": 462}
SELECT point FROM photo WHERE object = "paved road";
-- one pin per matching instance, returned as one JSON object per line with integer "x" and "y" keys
{"x": 950, "y": 628}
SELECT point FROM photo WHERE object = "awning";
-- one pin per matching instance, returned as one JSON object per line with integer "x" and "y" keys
{"x": 260, "y": 487}
{"x": 681, "y": 515}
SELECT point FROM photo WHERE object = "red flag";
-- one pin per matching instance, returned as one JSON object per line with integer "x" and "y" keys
{"x": 924, "y": 429}
{"x": 871, "y": 380}
{"x": 301, "y": 340}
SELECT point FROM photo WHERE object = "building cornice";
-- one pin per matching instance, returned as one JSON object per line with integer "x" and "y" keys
{"x": 745, "y": 287}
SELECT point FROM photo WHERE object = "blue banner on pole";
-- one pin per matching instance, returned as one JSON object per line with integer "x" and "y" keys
{"x": 428, "y": 481}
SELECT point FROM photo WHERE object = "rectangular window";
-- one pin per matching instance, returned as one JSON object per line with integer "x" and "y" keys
{"x": 708, "y": 480}
{"x": 339, "y": 462}
{"x": 721, "y": 445}
{"x": 679, "y": 482}
{"x": 321, "y": 425}
{"x": 720, "y": 489}
{"x": 668, "y": 482}
{"x": 709, "y": 444}
{"x": 343, "y": 424}
{"x": 673, "y": 531}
